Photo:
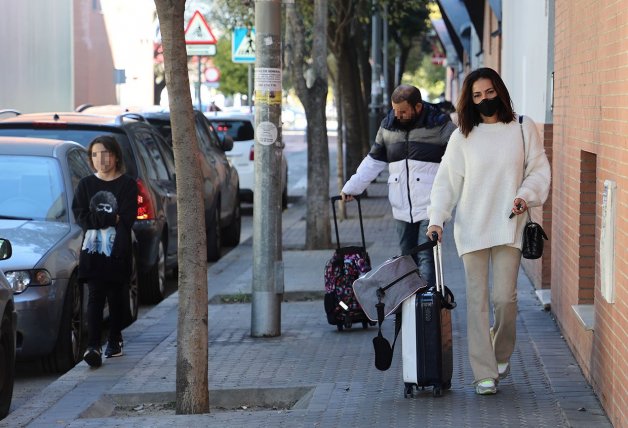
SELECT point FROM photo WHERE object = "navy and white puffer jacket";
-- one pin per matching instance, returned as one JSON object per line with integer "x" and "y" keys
{"x": 413, "y": 155}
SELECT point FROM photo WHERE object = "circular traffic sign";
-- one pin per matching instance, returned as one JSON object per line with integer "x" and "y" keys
{"x": 212, "y": 74}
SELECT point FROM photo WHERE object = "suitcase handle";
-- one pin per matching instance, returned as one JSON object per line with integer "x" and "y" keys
{"x": 333, "y": 208}
{"x": 438, "y": 265}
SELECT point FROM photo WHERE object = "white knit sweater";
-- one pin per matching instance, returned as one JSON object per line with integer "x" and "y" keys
{"x": 481, "y": 175}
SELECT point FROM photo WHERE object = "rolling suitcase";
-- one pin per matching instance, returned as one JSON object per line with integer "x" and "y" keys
{"x": 426, "y": 336}
{"x": 344, "y": 267}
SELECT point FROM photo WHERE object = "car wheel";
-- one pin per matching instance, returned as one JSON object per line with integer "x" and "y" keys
{"x": 7, "y": 363}
{"x": 70, "y": 343}
{"x": 153, "y": 283}
{"x": 231, "y": 234}
{"x": 214, "y": 238}
{"x": 132, "y": 291}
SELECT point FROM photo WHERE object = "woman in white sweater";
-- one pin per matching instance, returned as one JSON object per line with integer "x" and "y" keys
{"x": 493, "y": 166}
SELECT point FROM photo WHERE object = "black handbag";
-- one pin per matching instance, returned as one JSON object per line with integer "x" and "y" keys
{"x": 533, "y": 234}
{"x": 533, "y": 237}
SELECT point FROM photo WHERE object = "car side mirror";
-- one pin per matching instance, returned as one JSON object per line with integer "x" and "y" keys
{"x": 227, "y": 143}
{"x": 5, "y": 249}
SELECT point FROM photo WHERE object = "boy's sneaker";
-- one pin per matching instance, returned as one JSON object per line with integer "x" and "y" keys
{"x": 486, "y": 387}
{"x": 92, "y": 357}
{"x": 503, "y": 369}
{"x": 114, "y": 349}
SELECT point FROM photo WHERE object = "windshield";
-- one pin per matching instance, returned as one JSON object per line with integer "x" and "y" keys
{"x": 31, "y": 187}
{"x": 239, "y": 130}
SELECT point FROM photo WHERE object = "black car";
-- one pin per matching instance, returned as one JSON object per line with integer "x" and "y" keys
{"x": 148, "y": 159}
{"x": 8, "y": 323}
{"x": 221, "y": 182}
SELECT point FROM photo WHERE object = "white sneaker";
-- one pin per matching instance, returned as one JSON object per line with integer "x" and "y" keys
{"x": 503, "y": 369}
{"x": 486, "y": 387}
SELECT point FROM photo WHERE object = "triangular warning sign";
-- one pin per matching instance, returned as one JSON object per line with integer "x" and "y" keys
{"x": 246, "y": 48}
{"x": 198, "y": 32}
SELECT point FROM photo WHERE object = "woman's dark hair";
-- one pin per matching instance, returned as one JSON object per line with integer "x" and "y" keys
{"x": 468, "y": 116}
{"x": 408, "y": 93}
{"x": 110, "y": 144}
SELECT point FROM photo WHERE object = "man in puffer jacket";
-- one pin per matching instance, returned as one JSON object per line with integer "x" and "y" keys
{"x": 411, "y": 141}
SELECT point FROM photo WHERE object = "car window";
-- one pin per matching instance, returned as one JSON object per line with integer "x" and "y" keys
{"x": 214, "y": 135}
{"x": 164, "y": 127}
{"x": 239, "y": 130}
{"x": 149, "y": 151}
{"x": 167, "y": 151}
{"x": 79, "y": 166}
{"x": 32, "y": 187}
{"x": 204, "y": 139}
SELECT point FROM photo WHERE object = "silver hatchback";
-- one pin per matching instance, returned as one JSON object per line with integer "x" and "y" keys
{"x": 37, "y": 182}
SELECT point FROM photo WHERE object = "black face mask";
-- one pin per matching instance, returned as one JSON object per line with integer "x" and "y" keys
{"x": 488, "y": 106}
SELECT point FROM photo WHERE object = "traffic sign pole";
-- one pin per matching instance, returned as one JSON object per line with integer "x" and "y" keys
{"x": 198, "y": 85}
{"x": 200, "y": 41}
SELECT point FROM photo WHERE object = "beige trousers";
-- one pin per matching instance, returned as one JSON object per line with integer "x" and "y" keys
{"x": 486, "y": 351}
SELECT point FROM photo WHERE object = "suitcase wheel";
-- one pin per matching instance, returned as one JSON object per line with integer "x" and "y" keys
{"x": 437, "y": 391}
{"x": 340, "y": 327}
{"x": 348, "y": 323}
{"x": 408, "y": 390}
{"x": 365, "y": 324}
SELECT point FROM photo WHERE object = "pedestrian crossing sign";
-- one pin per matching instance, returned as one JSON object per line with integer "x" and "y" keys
{"x": 243, "y": 45}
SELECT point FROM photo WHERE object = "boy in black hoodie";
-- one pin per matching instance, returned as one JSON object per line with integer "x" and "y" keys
{"x": 105, "y": 206}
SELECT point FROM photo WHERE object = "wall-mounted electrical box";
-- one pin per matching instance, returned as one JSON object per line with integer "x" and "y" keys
{"x": 607, "y": 241}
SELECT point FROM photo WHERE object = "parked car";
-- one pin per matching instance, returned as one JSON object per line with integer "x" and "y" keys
{"x": 220, "y": 178}
{"x": 8, "y": 323}
{"x": 240, "y": 126}
{"x": 37, "y": 182}
{"x": 148, "y": 159}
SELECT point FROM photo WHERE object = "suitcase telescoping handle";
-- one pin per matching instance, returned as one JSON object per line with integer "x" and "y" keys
{"x": 448, "y": 300}
{"x": 438, "y": 265}
{"x": 333, "y": 208}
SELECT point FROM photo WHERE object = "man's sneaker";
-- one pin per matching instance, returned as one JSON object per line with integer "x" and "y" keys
{"x": 114, "y": 349}
{"x": 486, "y": 387}
{"x": 503, "y": 369}
{"x": 92, "y": 357}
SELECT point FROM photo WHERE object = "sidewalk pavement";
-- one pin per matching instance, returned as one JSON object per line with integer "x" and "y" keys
{"x": 329, "y": 374}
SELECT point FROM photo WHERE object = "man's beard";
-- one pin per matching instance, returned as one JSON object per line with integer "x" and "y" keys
{"x": 407, "y": 123}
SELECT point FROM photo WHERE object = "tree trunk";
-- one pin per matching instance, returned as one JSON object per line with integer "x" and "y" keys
{"x": 313, "y": 95}
{"x": 347, "y": 42}
{"x": 340, "y": 158}
{"x": 355, "y": 111}
{"x": 318, "y": 230}
{"x": 192, "y": 394}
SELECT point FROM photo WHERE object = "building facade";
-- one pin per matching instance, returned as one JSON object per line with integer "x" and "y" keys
{"x": 564, "y": 63}
{"x": 59, "y": 55}
{"x": 590, "y": 193}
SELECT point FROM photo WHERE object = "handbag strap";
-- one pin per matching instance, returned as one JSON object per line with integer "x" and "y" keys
{"x": 380, "y": 320}
{"x": 523, "y": 141}
{"x": 525, "y": 156}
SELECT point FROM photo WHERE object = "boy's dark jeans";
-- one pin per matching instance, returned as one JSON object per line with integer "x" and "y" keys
{"x": 99, "y": 292}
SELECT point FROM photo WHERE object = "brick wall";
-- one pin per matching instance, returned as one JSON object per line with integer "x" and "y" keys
{"x": 590, "y": 146}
